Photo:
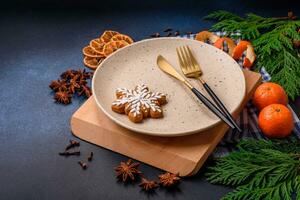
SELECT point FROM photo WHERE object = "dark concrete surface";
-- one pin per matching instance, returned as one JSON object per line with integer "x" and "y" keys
{"x": 41, "y": 39}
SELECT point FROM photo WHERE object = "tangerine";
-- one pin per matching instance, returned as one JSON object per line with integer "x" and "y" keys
{"x": 269, "y": 93}
{"x": 250, "y": 57}
{"x": 276, "y": 121}
{"x": 239, "y": 50}
{"x": 207, "y": 37}
{"x": 222, "y": 42}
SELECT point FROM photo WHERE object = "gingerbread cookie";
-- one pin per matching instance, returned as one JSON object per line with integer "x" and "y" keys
{"x": 139, "y": 103}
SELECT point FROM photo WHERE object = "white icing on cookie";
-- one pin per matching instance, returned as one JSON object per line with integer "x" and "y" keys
{"x": 138, "y": 98}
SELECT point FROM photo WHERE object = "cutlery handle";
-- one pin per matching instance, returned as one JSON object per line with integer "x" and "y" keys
{"x": 211, "y": 107}
{"x": 221, "y": 106}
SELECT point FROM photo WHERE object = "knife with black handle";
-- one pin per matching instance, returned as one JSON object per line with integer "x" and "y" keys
{"x": 167, "y": 68}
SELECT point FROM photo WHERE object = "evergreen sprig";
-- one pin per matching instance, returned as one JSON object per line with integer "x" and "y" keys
{"x": 261, "y": 169}
{"x": 272, "y": 39}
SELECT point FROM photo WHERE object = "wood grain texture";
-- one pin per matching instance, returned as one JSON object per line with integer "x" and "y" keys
{"x": 184, "y": 155}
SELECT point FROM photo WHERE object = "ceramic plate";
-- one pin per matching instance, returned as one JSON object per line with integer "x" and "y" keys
{"x": 183, "y": 114}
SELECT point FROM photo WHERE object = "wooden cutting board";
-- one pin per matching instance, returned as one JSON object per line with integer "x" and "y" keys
{"x": 184, "y": 155}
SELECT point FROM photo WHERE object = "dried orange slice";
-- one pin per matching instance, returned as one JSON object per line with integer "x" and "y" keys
{"x": 89, "y": 51}
{"x": 96, "y": 46}
{"x": 207, "y": 37}
{"x": 126, "y": 38}
{"x": 226, "y": 44}
{"x": 112, "y": 46}
{"x": 92, "y": 63}
{"x": 97, "y": 41}
{"x": 107, "y": 35}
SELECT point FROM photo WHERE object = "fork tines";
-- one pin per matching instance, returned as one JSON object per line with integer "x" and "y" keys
{"x": 188, "y": 63}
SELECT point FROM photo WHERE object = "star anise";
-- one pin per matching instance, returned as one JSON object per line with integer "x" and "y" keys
{"x": 148, "y": 185}
{"x": 86, "y": 90}
{"x": 168, "y": 179}
{"x": 70, "y": 73}
{"x": 59, "y": 85}
{"x": 81, "y": 81}
{"x": 127, "y": 170}
{"x": 62, "y": 97}
{"x": 73, "y": 84}
{"x": 83, "y": 74}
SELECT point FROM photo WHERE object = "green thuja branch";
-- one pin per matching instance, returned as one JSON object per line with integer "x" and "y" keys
{"x": 272, "y": 39}
{"x": 260, "y": 170}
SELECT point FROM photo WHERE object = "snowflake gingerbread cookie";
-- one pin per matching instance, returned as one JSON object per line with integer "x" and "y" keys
{"x": 139, "y": 103}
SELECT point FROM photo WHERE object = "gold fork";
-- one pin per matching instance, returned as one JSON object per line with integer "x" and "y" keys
{"x": 191, "y": 69}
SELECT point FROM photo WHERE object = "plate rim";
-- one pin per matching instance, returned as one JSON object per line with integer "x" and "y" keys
{"x": 153, "y": 133}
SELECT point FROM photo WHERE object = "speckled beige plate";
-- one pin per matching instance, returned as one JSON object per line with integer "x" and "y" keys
{"x": 183, "y": 114}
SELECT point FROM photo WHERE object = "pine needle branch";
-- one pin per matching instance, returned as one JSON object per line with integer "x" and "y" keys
{"x": 272, "y": 39}
{"x": 223, "y": 15}
{"x": 259, "y": 170}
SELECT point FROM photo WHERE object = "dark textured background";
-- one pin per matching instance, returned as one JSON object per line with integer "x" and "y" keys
{"x": 41, "y": 39}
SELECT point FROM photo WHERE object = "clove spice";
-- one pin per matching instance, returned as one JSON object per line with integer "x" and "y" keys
{"x": 168, "y": 30}
{"x": 83, "y": 165}
{"x": 169, "y": 34}
{"x": 73, "y": 143}
{"x": 90, "y": 158}
{"x": 155, "y": 35}
{"x": 66, "y": 153}
{"x": 177, "y": 33}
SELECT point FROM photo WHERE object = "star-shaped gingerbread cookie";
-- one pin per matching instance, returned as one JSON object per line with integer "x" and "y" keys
{"x": 139, "y": 103}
